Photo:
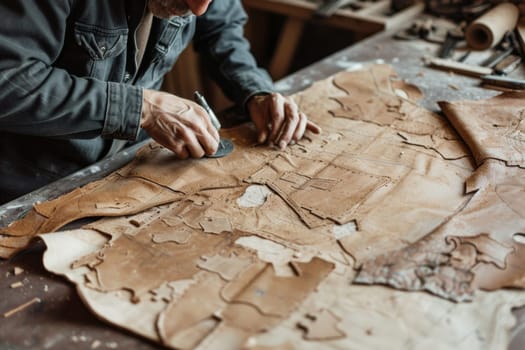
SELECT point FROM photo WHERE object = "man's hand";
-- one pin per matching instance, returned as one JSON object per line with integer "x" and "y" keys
{"x": 278, "y": 119}
{"x": 180, "y": 125}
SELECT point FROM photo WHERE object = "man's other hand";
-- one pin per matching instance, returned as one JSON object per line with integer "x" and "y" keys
{"x": 178, "y": 124}
{"x": 278, "y": 119}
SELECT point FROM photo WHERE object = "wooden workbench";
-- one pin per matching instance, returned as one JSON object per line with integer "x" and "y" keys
{"x": 367, "y": 19}
{"x": 60, "y": 321}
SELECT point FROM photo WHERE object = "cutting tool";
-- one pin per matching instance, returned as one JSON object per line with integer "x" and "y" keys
{"x": 225, "y": 145}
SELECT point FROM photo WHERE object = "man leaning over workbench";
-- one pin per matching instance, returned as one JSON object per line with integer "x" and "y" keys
{"x": 78, "y": 79}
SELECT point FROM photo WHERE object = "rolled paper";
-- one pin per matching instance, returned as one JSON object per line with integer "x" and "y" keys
{"x": 489, "y": 29}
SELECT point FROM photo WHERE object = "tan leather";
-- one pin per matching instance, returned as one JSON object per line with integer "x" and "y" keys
{"x": 477, "y": 247}
{"x": 493, "y": 128}
{"x": 389, "y": 189}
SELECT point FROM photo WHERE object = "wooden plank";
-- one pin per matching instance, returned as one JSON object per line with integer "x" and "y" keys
{"x": 346, "y": 19}
{"x": 459, "y": 67}
{"x": 376, "y": 8}
{"x": 366, "y": 20}
{"x": 284, "y": 52}
{"x": 405, "y": 16}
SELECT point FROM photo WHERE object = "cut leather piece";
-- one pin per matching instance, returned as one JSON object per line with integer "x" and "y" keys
{"x": 416, "y": 205}
{"x": 226, "y": 267}
{"x": 365, "y": 149}
{"x": 276, "y": 296}
{"x": 493, "y": 128}
{"x": 448, "y": 149}
{"x": 488, "y": 250}
{"x": 371, "y": 97}
{"x": 375, "y": 317}
{"x": 371, "y": 316}
{"x": 108, "y": 197}
{"x": 254, "y": 196}
{"x": 108, "y": 200}
{"x": 153, "y": 263}
{"x": 14, "y": 242}
{"x": 156, "y": 262}
{"x": 246, "y": 319}
{"x": 225, "y": 336}
{"x": 131, "y": 189}
{"x": 190, "y": 338}
{"x": 432, "y": 272}
{"x": 130, "y": 225}
{"x": 23, "y": 227}
{"x": 237, "y": 320}
{"x": 285, "y": 346}
{"x": 338, "y": 190}
{"x": 322, "y": 325}
{"x": 399, "y": 239}
{"x": 409, "y": 91}
{"x": 189, "y": 319}
{"x": 496, "y": 172}
{"x": 162, "y": 293}
{"x": 344, "y": 186}
{"x": 182, "y": 236}
{"x": 160, "y": 166}
{"x": 113, "y": 307}
{"x": 432, "y": 264}
{"x": 48, "y": 208}
{"x": 216, "y": 225}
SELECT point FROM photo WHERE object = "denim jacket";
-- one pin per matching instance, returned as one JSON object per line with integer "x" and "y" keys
{"x": 70, "y": 85}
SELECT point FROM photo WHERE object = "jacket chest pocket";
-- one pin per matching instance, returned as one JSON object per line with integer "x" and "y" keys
{"x": 175, "y": 36}
{"x": 103, "y": 51}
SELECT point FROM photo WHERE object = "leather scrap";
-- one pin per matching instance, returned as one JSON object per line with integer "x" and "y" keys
{"x": 189, "y": 319}
{"x": 184, "y": 263}
{"x": 321, "y": 326}
{"x": 272, "y": 295}
{"x": 435, "y": 264}
{"x": 181, "y": 236}
{"x": 227, "y": 267}
{"x": 498, "y": 129}
{"x": 371, "y": 97}
{"x": 487, "y": 249}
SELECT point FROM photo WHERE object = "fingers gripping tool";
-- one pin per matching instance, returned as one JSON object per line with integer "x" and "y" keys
{"x": 225, "y": 145}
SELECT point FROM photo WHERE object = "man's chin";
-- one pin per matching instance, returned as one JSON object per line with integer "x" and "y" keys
{"x": 165, "y": 13}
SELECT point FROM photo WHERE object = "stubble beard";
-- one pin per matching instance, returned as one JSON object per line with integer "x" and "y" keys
{"x": 168, "y": 8}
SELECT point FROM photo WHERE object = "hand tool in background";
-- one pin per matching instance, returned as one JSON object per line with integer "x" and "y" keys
{"x": 225, "y": 145}
{"x": 457, "y": 10}
{"x": 508, "y": 65}
{"x": 506, "y": 58}
{"x": 505, "y": 82}
{"x": 329, "y": 7}
{"x": 419, "y": 29}
{"x": 505, "y": 48}
{"x": 458, "y": 67}
{"x": 454, "y": 37}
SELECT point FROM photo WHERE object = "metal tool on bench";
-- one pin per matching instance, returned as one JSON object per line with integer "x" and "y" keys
{"x": 505, "y": 82}
{"x": 454, "y": 37}
{"x": 508, "y": 46}
{"x": 505, "y": 60}
{"x": 225, "y": 145}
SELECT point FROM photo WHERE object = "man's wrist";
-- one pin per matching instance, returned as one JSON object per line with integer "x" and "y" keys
{"x": 252, "y": 97}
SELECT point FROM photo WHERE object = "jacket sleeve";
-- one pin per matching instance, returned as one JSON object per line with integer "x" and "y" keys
{"x": 220, "y": 39}
{"x": 41, "y": 100}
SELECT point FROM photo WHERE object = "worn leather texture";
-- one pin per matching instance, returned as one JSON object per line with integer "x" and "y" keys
{"x": 265, "y": 249}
